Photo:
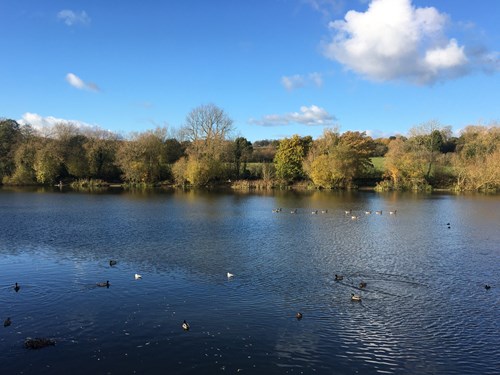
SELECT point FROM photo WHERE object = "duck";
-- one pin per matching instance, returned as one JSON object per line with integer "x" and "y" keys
{"x": 393, "y": 212}
{"x": 368, "y": 212}
{"x": 7, "y": 322}
{"x": 112, "y": 262}
{"x": 17, "y": 287}
{"x": 104, "y": 284}
{"x": 378, "y": 212}
{"x": 348, "y": 212}
{"x": 38, "y": 343}
{"x": 229, "y": 275}
{"x": 354, "y": 217}
{"x": 298, "y": 315}
{"x": 487, "y": 287}
{"x": 315, "y": 212}
{"x": 185, "y": 326}
{"x": 355, "y": 297}
{"x": 362, "y": 285}
{"x": 293, "y": 211}
{"x": 324, "y": 211}
{"x": 137, "y": 276}
{"x": 339, "y": 277}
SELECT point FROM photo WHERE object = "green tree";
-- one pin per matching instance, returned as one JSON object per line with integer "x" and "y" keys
{"x": 241, "y": 152}
{"x": 10, "y": 134}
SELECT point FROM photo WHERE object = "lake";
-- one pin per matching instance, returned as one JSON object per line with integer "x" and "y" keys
{"x": 424, "y": 310}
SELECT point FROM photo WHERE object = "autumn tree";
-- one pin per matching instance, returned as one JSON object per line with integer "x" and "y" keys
{"x": 476, "y": 163}
{"x": 425, "y": 143}
{"x": 289, "y": 157}
{"x": 336, "y": 160}
{"x": 100, "y": 148}
{"x": 207, "y": 128}
{"x": 143, "y": 158}
{"x": 47, "y": 163}
{"x": 414, "y": 163}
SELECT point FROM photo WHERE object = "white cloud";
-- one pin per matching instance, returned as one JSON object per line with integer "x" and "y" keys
{"x": 309, "y": 116}
{"x": 298, "y": 81}
{"x": 78, "y": 83}
{"x": 71, "y": 18}
{"x": 393, "y": 40}
{"x": 292, "y": 82}
{"x": 43, "y": 124}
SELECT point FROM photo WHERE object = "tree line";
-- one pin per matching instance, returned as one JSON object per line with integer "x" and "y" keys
{"x": 203, "y": 152}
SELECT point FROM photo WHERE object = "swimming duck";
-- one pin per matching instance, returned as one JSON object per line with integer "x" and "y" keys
{"x": 355, "y": 297}
{"x": 38, "y": 343}
{"x": 7, "y": 322}
{"x": 378, "y": 212}
{"x": 16, "y": 288}
{"x": 487, "y": 287}
{"x": 112, "y": 263}
{"x": 137, "y": 276}
{"x": 354, "y": 217}
{"x": 393, "y": 212}
{"x": 293, "y": 211}
{"x": 298, "y": 315}
{"x": 339, "y": 277}
{"x": 324, "y": 211}
{"x": 368, "y": 212}
{"x": 362, "y": 285}
{"x": 315, "y": 212}
{"x": 106, "y": 284}
{"x": 229, "y": 275}
{"x": 185, "y": 326}
{"x": 348, "y": 212}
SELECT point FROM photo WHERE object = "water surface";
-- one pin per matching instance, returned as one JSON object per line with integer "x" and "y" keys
{"x": 424, "y": 310}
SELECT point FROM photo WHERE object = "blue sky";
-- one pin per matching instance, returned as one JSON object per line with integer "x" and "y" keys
{"x": 277, "y": 67}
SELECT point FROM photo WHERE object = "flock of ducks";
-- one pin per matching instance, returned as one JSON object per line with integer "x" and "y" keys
{"x": 347, "y": 212}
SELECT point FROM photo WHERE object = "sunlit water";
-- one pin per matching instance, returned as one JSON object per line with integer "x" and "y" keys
{"x": 425, "y": 309}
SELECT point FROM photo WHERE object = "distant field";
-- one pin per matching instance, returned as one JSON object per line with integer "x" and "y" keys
{"x": 378, "y": 163}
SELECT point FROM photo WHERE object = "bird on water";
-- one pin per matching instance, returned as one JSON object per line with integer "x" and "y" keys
{"x": 104, "y": 284}
{"x": 17, "y": 287}
{"x": 355, "y": 297}
{"x": 185, "y": 326}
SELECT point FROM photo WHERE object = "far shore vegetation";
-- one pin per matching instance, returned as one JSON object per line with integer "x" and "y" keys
{"x": 204, "y": 153}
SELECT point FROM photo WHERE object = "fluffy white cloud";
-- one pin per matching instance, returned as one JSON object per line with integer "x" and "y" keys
{"x": 298, "y": 81}
{"x": 310, "y": 116}
{"x": 394, "y": 40}
{"x": 71, "y": 18}
{"x": 46, "y": 123}
{"x": 78, "y": 83}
